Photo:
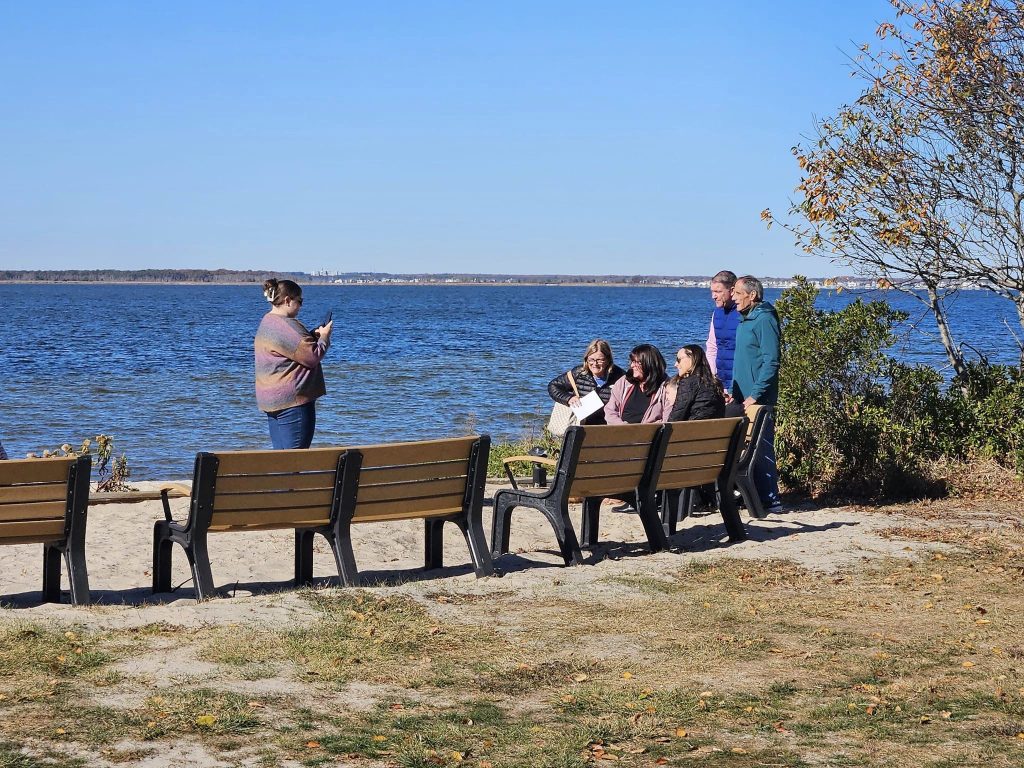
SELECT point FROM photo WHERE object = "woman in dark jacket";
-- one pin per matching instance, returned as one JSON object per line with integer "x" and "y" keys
{"x": 698, "y": 392}
{"x": 598, "y": 372}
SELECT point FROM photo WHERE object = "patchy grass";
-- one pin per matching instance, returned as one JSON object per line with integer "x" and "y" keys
{"x": 720, "y": 663}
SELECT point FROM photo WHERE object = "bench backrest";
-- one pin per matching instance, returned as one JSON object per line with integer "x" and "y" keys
{"x": 756, "y": 417}
{"x": 428, "y": 478}
{"x": 264, "y": 490}
{"x": 696, "y": 452}
{"x": 612, "y": 458}
{"x": 37, "y": 496}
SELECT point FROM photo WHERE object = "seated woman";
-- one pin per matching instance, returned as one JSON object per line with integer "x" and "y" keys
{"x": 695, "y": 392}
{"x": 639, "y": 396}
{"x": 597, "y": 373}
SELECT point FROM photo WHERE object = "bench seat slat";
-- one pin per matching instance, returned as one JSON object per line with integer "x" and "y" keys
{"x": 693, "y": 460}
{"x": 447, "y": 486}
{"x": 420, "y": 452}
{"x": 31, "y": 531}
{"x": 34, "y": 510}
{"x": 264, "y": 462}
{"x": 294, "y": 481}
{"x": 425, "y": 507}
{"x": 22, "y": 471}
{"x": 687, "y": 478}
{"x": 34, "y": 492}
{"x": 600, "y": 486}
{"x": 383, "y": 515}
{"x": 226, "y": 502}
{"x": 294, "y": 517}
{"x": 633, "y": 468}
{"x": 704, "y": 429}
{"x": 614, "y": 453}
{"x": 620, "y": 434}
{"x": 397, "y": 474}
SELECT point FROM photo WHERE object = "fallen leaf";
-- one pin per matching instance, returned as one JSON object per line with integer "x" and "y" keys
{"x": 379, "y": 738}
{"x": 680, "y": 733}
{"x": 967, "y": 664}
{"x": 627, "y": 675}
{"x": 581, "y": 678}
{"x": 206, "y": 720}
{"x": 312, "y": 744}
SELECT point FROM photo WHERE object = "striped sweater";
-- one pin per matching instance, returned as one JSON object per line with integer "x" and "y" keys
{"x": 288, "y": 371}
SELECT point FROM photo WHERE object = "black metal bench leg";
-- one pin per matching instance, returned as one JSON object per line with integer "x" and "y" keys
{"x": 341, "y": 544}
{"x": 304, "y": 557}
{"x": 591, "y": 521}
{"x": 568, "y": 544}
{"x": 501, "y": 523}
{"x": 473, "y": 531}
{"x": 51, "y": 574}
{"x": 433, "y": 539}
{"x": 731, "y": 517}
{"x": 199, "y": 560}
{"x": 162, "y": 553}
{"x": 648, "y": 511}
{"x": 78, "y": 575}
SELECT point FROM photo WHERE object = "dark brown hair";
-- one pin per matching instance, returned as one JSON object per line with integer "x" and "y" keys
{"x": 277, "y": 292}
{"x": 701, "y": 369}
{"x": 726, "y": 277}
{"x": 653, "y": 364}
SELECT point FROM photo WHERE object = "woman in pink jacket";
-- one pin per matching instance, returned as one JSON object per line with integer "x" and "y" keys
{"x": 639, "y": 396}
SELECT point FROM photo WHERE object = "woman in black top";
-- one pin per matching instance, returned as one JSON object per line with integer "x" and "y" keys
{"x": 698, "y": 392}
{"x": 598, "y": 372}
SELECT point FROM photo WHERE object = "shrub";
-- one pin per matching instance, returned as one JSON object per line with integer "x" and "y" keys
{"x": 111, "y": 472}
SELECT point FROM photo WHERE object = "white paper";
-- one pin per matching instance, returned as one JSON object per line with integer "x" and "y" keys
{"x": 589, "y": 403}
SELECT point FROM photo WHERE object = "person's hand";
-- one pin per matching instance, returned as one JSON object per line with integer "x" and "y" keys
{"x": 574, "y": 402}
{"x": 324, "y": 331}
{"x": 728, "y": 396}
{"x": 749, "y": 402}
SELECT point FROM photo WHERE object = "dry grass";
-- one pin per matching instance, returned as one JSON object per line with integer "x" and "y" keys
{"x": 724, "y": 663}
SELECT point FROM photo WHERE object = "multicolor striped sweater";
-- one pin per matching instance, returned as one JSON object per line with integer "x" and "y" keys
{"x": 288, "y": 371}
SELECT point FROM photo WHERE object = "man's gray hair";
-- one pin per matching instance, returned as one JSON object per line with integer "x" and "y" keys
{"x": 751, "y": 284}
{"x": 726, "y": 277}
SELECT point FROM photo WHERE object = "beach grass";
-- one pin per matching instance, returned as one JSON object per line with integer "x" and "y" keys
{"x": 914, "y": 661}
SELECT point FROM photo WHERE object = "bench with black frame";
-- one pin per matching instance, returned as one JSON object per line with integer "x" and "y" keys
{"x": 697, "y": 453}
{"x": 46, "y": 501}
{"x": 596, "y": 462}
{"x": 317, "y": 491}
{"x": 757, "y": 417}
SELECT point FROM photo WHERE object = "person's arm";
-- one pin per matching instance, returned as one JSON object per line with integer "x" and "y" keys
{"x": 304, "y": 348}
{"x": 559, "y": 389}
{"x": 681, "y": 403}
{"x": 768, "y": 350}
{"x": 711, "y": 347}
{"x": 613, "y": 408}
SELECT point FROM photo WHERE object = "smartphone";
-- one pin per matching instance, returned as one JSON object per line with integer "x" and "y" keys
{"x": 325, "y": 321}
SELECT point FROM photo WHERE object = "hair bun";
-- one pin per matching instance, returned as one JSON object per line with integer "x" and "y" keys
{"x": 269, "y": 294}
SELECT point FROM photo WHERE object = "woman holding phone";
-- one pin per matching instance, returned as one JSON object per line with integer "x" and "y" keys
{"x": 289, "y": 378}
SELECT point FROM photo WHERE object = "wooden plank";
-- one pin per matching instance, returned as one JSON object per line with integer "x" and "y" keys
{"x": 694, "y": 461}
{"x": 419, "y": 452}
{"x": 391, "y": 510}
{"x": 34, "y": 510}
{"x": 174, "y": 491}
{"x": 531, "y": 459}
{"x": 708, "y": 445}
{"x": 381, "y": 516}
{"x": 687, "y": 478}
{"x": 277, "y": 518}
{"x": 31, "y": 531}
{"x": 703, "y": 429}
{"x": 401, "y": 474}
{"x": 22, "y": 471}
{"x": 397, "y": 491}
{"x": 35, "y": 492}
{"x": 265, "y": 462}
{"x": 286, "y": 525}
{"x": 619, "y": 434}
{"x": 634, "y": 468}
{"x": 289, "y": 481}
{"x": 226, "y": 502}
{"x": 615, "y": 452}
{"x": 601, "y": 486}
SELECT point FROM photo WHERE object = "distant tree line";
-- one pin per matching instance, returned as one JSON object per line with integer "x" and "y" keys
{"x": 139, "y": 275}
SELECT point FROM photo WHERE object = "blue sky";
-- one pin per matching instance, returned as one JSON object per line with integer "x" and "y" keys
{"x": 592, "y": 137}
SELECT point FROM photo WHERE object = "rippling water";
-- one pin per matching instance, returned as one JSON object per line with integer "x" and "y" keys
{"x": 167, "y": 369}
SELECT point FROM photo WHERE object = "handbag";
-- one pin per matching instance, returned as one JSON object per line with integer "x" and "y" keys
{"x": 562, "y": 416}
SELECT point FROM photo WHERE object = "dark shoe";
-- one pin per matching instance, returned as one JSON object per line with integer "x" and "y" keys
{"x": 623, "y": 508}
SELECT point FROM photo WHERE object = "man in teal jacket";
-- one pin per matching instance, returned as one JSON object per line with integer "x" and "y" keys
{"x": 755, "y": 375}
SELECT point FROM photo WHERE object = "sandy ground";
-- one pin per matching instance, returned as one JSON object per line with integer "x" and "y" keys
{"x": 253, "y": 570}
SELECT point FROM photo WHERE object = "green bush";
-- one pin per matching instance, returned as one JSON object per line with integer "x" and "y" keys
{"x": 854, "y": 422}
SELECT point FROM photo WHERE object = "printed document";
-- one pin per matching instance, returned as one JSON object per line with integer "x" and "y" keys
{"x": 589, "y": 403}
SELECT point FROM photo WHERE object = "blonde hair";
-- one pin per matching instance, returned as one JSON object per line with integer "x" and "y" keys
{"x": 602, "y": 346}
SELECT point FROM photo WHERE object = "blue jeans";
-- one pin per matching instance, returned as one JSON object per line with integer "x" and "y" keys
{"x": 292, "y": 427}
{"x": 766, "y": 474}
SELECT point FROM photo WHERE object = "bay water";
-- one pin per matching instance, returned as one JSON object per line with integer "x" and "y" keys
{"x": 168, "y": 369}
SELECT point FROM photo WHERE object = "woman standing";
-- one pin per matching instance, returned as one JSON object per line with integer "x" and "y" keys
{"x": 695, "y": 393}
{"x": 598, "y": 373}
{"x": 289, "y": 378}
{"x": 639, "y": 396}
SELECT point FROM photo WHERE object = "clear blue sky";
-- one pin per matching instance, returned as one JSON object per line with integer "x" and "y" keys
{"x": 528, "y": 137}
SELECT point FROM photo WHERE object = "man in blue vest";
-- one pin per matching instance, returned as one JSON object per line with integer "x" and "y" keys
{"x": 721, "y": 346}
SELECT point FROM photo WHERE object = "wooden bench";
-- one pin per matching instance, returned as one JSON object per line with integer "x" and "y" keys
{"x": 317, "y": 491}
{"x": 45, "y": 501}
{"x": 597, "y": 462}
{"x": 438, "y": 481}
{"x": 697, "y": 453}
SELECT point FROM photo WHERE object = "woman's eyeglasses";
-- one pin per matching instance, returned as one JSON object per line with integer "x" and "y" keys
{"x": 597, "y": 360}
